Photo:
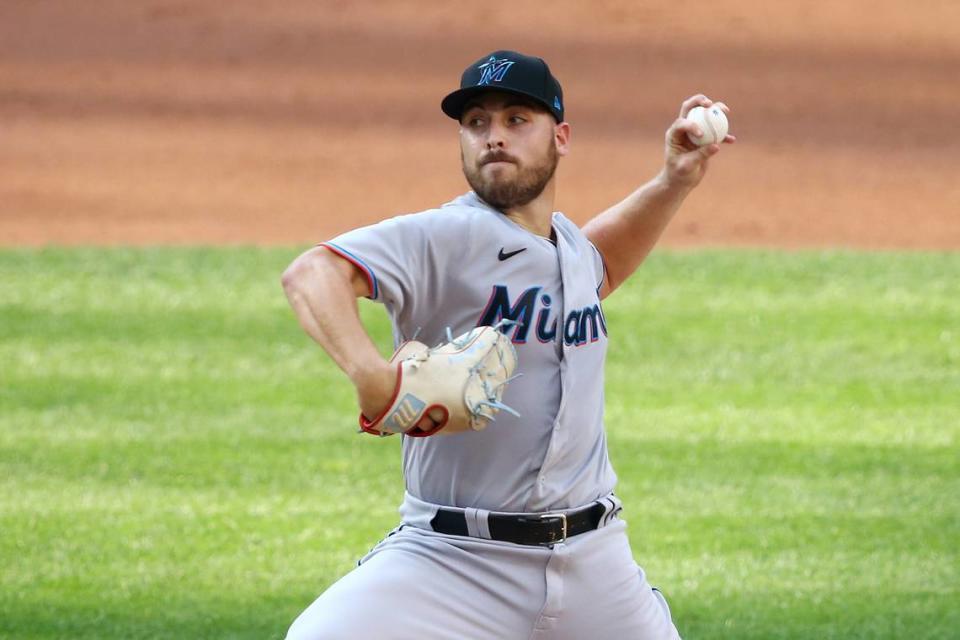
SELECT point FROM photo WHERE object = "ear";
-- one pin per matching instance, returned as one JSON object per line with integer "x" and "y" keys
{"x": 561, "y": 135}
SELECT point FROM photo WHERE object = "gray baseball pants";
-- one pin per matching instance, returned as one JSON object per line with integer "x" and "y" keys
{"x": 422, "y": 585}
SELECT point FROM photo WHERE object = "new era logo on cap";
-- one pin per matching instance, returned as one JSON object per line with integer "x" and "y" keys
{"x": 494, "y": 70}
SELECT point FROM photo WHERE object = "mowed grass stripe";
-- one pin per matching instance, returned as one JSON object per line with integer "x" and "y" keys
{"x": 177, "y": 460}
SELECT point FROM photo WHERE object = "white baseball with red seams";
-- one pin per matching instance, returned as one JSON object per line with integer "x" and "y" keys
{"x": 712, "y": 121}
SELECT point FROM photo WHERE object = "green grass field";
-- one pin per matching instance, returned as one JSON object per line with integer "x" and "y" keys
{"x": 178, "y": 461}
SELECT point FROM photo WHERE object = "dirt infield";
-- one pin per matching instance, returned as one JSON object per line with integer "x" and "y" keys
{"x": 242, "y": 122}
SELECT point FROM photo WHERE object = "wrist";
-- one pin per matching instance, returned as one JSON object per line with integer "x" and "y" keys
{"x": 375, "y": 384}
{"x": 669, "y": 182}
{"x": 371, "y": 374}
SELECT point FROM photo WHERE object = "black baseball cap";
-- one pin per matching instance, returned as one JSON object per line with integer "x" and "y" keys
{"x": 511, "y": 72}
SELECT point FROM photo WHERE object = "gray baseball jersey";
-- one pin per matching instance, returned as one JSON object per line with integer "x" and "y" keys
{"x": 466, "y": 265}
{"x": 461, "y": 266}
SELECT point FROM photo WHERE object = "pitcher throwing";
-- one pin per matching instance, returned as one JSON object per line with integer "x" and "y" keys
{"x": 509, "y": 525}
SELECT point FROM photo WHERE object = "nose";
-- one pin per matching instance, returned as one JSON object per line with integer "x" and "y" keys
{"x": 495, "y": 137}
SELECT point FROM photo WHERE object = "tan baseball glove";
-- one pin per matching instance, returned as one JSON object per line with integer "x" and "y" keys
{"x": 459, "y": 384}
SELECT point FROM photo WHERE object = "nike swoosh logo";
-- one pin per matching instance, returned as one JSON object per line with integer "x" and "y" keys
{"x": 506, "y": 256}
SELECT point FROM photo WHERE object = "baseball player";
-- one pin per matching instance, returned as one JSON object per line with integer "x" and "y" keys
{"x": 509, "y": 524}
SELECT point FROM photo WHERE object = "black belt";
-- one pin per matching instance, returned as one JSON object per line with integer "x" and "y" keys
{"x": 525, "y": 528}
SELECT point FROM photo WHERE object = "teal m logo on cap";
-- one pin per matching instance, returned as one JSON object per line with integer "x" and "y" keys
{"x": 494, "y": 70}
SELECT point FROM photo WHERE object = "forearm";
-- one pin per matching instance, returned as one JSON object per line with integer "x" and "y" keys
{"x": 322, "y": 296}
{"x": 627, "y": 232}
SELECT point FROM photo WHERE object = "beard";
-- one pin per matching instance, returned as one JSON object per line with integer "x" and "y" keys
{"x": 505, "y": 193}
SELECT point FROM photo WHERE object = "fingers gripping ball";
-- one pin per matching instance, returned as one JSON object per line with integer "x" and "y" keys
{"x": 712, "y": 121}
{"x": 459, "y": 384}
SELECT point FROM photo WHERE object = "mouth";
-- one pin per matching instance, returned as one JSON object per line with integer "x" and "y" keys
{"x": 496, "y": 160}
{"x": 496, "y": 164}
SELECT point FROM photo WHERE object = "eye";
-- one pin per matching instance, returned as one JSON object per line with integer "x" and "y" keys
{"x": 517, "y": 119}
{"x": 473, "y": 122}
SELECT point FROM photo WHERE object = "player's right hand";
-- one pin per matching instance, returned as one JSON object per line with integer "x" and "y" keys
{"x": 685, "y": 163}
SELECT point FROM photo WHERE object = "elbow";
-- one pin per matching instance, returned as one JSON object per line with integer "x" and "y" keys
{"x": 290, "y": 277}
{"x": 319, "y": 269}
{"x": 300, "y": 271}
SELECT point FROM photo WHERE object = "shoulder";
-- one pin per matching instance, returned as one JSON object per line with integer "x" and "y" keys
{"x": 457, "y": 223}
{"x": 571, "y": 233}
{"x": 434, "y": 230}
{"x": 580, "y": 246}
{"x": 565, "y": 224}
{"x": 454, "y": 216}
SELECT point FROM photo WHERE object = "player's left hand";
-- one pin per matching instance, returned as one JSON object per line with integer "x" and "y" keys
{"x": 685, "y": 163}
{"x": 454, "y": 387}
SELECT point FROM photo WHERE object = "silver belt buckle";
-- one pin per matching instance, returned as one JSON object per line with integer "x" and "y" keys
{"x": 563, "y": 526}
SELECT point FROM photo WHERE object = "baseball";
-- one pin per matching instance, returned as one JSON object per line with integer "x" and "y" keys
{"x": 712, "y": 121}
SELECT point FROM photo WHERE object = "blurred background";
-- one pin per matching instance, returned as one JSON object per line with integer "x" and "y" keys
{"x": 174, "y": 121}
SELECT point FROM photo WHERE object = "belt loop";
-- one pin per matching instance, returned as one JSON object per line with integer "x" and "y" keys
{"x": 477, "y": 524}
{"x": 613, "y": 510}
{"x": 470, "y": 515}
{"x": 483, "y": 523}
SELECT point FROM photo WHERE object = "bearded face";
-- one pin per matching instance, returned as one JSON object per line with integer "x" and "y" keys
{"x": 503, "y": 187}
{"x": 515, "y": 170}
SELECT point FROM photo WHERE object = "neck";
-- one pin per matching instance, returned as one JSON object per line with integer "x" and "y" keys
{"x": 537, "y": 215}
